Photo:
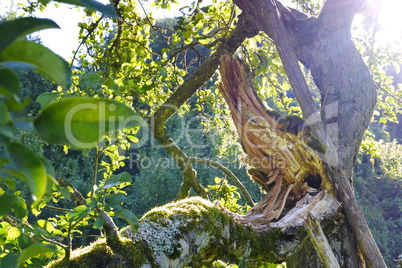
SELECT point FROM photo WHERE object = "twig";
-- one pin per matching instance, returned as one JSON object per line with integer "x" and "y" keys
{"x": 41, "y": 236}
{"x": 225, "y": 170}
{"x": 90, "y": 31}
{"x": 56, "y": 208}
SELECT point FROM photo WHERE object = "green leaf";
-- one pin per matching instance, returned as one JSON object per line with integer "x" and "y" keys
{"x": 117, "y": 199}
{"x": 11, "y": 31}
{"x": 65, "y": 192}
{"x": 107, "y": 10}
{"x": 47, "y": 227}
{"x": 44, "y": 60}
{"x": 22, "y": 121}
{"x": 33, "y": 250}
{"x": 78, "y": 213}
{"x": 5, "y": 117}
{"x": 13, "y": 233}
{"x": 8, "y": 261}
{"x": 20, "y": 208}
{"x": 46, "y": 98}
{"x": 117, "y": 180}
{"x": 49, "y": 168}
{"x": 9, "y": 83}
{"x": 6, "y": 128}
{"x": 10, "y": 183}
{"x": 128, "y": 216}
{"x": 7, "y": 202}
{"x": 30, "y": 167}
{"x": 81, "y": 122}
{"x": 15, "y": 104}
{"x": 98, "y": 223}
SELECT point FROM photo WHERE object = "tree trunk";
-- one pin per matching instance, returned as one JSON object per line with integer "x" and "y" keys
{"x": 348, "y": 92}
{"x": 342, "y": 243}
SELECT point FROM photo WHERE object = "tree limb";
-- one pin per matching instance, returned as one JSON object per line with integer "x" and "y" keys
{"x": 158, "y": 120}
{"x": 320, "y": 243}
{"x": 194, "y": 233}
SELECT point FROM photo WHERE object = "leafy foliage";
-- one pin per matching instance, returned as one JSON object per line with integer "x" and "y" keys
{"x": 132, "y": 63}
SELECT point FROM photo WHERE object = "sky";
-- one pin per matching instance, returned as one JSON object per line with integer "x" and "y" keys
{"x": 63, "y": 41}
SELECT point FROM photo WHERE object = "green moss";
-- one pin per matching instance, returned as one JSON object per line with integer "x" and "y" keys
{"x": 98, "y": 254}
{"x": 126, "y": 253}
{"x": 194, "y": 210}
{"x": 135, "y": 253}
{"x": 316, "y": 144}
{"x": 163, "y": 225}
{"x": 274, "y": 114}
{"x": 160, "y": 230}
{"x": 261, "y": 246}
{"x": 292, "y": 124}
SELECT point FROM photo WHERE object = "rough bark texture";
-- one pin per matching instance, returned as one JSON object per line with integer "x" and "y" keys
{"x": 320, "y": 243}
{"x": 342, "y": 244}
{"x": 324, "y": 45}
{"x": 192, "y": 232}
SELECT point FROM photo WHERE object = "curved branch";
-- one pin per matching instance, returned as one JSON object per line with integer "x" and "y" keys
{"x": 338, "y": 14}
{"x": 158, "y": 120}
{"x": 225, "y": 170}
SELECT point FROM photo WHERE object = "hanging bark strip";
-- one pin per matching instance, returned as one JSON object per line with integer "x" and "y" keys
{"x": 283, "y": 159}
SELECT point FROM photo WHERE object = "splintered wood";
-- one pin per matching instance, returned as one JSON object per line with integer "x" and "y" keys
{"x": 279, "y": 157}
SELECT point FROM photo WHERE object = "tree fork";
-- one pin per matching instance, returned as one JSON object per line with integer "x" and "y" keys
{"x": 267, "y": 13}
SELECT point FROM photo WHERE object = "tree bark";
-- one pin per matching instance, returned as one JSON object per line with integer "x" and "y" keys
{"x": 194, "y": 232}
{"x": 320, "y": 243}
{"x": 324, "y": 45}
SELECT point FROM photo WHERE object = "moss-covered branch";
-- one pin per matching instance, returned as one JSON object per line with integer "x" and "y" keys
{"x": 192, "y": 232}
{"x": 320, "y": 243}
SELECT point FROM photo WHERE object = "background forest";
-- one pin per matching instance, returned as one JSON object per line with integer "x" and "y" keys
{"x": 138, "y": 60}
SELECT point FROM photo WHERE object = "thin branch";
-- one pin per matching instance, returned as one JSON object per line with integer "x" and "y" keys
{"x": 95, "y": 174}
{"x": 57, "y": 208}
{"x": 90, "y": 31}
{"x": 110, "y": 227}
{"x": 225, "y": 170}
{"x": 41, "y": 236}
{"x": 158, "y": 120}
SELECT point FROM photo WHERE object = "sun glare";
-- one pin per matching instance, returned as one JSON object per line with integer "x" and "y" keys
{"x": 390, "y": 20}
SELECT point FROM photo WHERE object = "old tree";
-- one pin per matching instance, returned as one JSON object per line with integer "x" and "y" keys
{"x": 310, "y": 162}
{"x": 301, "y": 150}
